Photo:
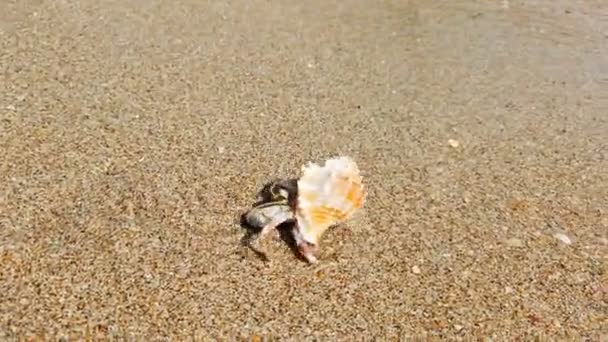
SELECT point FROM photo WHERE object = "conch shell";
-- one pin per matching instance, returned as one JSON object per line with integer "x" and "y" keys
{"x": 327, "y": 195}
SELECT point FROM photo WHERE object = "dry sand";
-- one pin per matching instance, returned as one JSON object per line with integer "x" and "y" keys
{"x": 134, "y": 134}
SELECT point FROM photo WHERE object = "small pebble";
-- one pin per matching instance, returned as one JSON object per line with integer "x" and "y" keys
{"x": 416, "y": 269}
{"x": 453, "y": 143}
{"x": 458, "y": 327}
{"x": 508, "y": 290}
{"x": 221, "y": 149}
{"x": 563, "y": 238}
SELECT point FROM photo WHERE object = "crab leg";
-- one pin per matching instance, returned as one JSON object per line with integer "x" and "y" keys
{"x": 305, "y": 248}
{"x": 264, "y": 232}
{"x": 272, "y": 225}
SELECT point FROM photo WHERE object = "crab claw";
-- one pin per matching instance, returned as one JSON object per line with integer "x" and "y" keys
{"x": 306, "y": 249}
{"x": 307, "y": 252}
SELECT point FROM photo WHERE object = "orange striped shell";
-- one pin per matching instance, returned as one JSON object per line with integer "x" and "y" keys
{"x": 328, "y": 195}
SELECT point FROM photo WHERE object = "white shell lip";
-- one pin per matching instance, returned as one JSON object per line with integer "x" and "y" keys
{"x": 309, "y": 236}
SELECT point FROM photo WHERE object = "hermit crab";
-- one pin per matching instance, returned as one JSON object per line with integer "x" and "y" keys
{"x": 322, "y": 197}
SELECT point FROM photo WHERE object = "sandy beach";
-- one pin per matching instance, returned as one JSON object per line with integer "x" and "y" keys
{"x": 133, "y": 135}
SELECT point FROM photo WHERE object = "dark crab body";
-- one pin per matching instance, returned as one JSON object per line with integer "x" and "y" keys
{"x": 274, "y": 206}
{"x": 276, "y": 211}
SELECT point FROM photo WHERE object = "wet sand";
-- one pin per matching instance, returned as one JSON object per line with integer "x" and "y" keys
{"x": 134, "y": 134}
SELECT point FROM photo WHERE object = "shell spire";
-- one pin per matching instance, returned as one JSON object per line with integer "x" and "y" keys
{"x": 327, "y": 195}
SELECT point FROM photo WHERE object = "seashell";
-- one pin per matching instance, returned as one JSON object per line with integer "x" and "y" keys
{"x": 327, "y": 195}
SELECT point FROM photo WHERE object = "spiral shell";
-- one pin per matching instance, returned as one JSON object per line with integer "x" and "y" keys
{"x": 327, "y": 195}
